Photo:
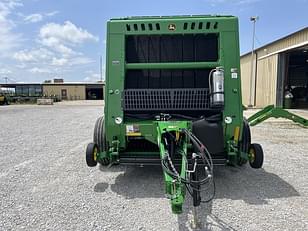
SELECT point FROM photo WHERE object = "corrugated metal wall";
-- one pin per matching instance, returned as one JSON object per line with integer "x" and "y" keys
{"x": 246, "y": 79}
{"x": 267, "y": 68}
{"x": 73, "y": 92}
{"x": 266, "y": 81}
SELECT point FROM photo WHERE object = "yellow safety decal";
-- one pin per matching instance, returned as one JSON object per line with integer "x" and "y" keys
{"x": 236, "y": 133}
{"x": 133, "y": 134}
{"x": 177, "y": 135}
{"x": 133, "y": 130}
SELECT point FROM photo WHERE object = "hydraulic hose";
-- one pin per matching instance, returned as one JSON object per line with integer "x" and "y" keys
{"x": 190, "y": 184}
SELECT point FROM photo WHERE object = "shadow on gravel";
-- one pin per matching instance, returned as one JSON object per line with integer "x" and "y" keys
{"x": 253, "y": 186}
{"x": 137, "y": 182}
{"x": 244, "y": 183}
{"x": 207, "y": 220}
{"x": 101, "y": 187}
{"x": 113, "y": 168}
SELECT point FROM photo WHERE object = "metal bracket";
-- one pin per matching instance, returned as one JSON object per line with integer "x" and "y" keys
{"x": 175, "y": 190}
{"x": 114, "y": 151}
{"x": 232, "y": 148}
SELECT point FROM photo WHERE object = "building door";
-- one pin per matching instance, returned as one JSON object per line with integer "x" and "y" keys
{"x": 283, "y": 59}
{"x": 64, "y": 93}
{"x": 296, "y": 78}
{"x": 94, "y": 92}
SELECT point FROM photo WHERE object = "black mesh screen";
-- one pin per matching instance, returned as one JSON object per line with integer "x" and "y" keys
{"x": 153, "y": 79}
{"x": 171, "y": 48}
{"x": 165, "y": 99}
{"x": 180, "y": 90}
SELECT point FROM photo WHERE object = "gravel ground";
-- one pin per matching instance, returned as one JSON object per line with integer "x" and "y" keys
{"x": 46, "y": 185}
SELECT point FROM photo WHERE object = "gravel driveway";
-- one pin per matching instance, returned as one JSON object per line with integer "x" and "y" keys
{"x": 46, "y": 185}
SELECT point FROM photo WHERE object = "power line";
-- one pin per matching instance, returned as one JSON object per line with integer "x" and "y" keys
{"x": 7, "y": 80}
{"x": 258, "y": 41}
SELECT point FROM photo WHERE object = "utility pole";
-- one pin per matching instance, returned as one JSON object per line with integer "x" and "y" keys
{"x": 6, "y": 79}
{"x": 252, "y": 79}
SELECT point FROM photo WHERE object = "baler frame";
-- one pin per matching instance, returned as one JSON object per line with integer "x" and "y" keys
{"x": 169, "y": 120}
{"x": 227, "y": 27}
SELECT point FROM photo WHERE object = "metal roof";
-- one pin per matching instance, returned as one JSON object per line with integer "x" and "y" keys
{"x": 278, "y": 40}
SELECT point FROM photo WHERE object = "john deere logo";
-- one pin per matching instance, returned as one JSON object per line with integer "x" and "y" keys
{"x": 171, "y": 27}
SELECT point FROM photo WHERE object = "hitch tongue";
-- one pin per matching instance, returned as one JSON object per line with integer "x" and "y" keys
{"x": 195, "y": 222}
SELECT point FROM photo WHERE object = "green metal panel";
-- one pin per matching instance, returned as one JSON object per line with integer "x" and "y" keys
{"x": 118, "y": 133}
{"x": 225, "y": 26}
{"x": 115, "y": 74}
{"x": 216, "y": 24}
{"x": 233, "y": 97}
{"x": 183, "y": 65}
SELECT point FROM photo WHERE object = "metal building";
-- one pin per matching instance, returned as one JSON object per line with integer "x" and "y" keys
{"x": 63, "y": 91}
{"x": 74, "y": 91}
{"x": 279, "y": 68}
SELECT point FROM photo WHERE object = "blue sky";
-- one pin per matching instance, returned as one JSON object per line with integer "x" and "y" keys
{"x": 46, "y": 39}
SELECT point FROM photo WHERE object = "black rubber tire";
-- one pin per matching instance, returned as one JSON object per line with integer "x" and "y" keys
{"x": 257, "y": 152}
{"x": 90, "y": 152}
{"x": 97, "y": 135}
{"x": 99, "y": 138}
{"x": 246, "y": 141}
{"x": 247, "y": 135}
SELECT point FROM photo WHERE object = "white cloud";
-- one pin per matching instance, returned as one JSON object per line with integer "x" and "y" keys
{"x": 21, "y": 66}
{"x": 93, "y": 77}
{"x": 23, "y": 56}
{"x": 59, "y": 61}
{"x": 13, "y": 3}
{"x": 8, "y": 38}
{"x": 72, "y": 61}
{"x": 4, "y": 71}
{"x": 66, "y": 33}
{"x": 56, "y": 45}
{"x": 57, "y": 49}
{"x": 46, "y": 57}
{"x": 38, "y": 70}
{"x": 35, "y": 55}
{"x": 50, "y": 14}
{"x": 62, "y": 38}
{"x": 38, "y": 17}
{"x": 81, "y": 60}
{"x": 34, "y": 18}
